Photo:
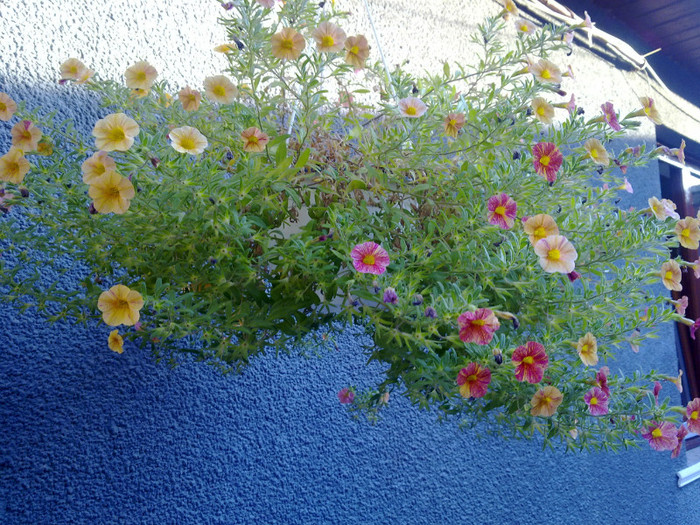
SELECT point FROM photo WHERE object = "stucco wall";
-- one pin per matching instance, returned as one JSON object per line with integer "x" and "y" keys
{"x": 88, "y": 436}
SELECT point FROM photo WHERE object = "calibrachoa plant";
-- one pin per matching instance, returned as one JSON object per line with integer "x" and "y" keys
{"x": 468, "y": 219}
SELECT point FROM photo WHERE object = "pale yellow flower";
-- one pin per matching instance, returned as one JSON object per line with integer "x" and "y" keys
{"x": 649, "y": 109}
{"x": 225, "y": 48}
{"x": 510, "y": 8}
{"x": 663, "y": 208}
{"x": 525, "y": 26}
{"x": 115, "y": 342}
{"x": 13, "y": 166}
{"x": 141, "y": 76}
{"x": 96, "y": 166}
{"x": 671, "y": 275}
{"x": 111, "y": 193}
{"x": 254, "y": 140}
{"x": 546, "y": 401}
{"x": 188, "y": 140}
{"x": 115, "y": 132}
{"x": 412, "y": 107}
{"x": 356, "y": 51}
{"x": 287, "y": 44}
{"x": 540, "y": 226}
{"x": 120, "y": 305}
{"x": 7, "y": 107}
{"x": 329, "y": 37}
{"x": 556, "y": 254}
{"x": 74, "y": 69}
{"x": 220, "y": 89}
{"x": 542, "y": 110}
{"x": 25, "y": 136}
{"x": 688, "y": 232}
{"x": 189, "y": 98}
{"x": 587, "y": 348}
{"x": 545, "y": 71}
{"x": 596, "y": 152}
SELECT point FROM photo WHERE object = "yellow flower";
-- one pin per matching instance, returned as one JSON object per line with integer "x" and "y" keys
{"x": 329, "y": 37}
{"x": 671, "y": 275}
{"x": 556, "y": 254}
{"x": 663, "y": 208}
{"x": 225, "y": 48}
{"x": 510, "y": 8}
{"x": 74, "y": 69}
{"x": 356, "y": 51}
{"x": 189, "y": 98}
{"x": 540, "y": 226}
{"x": 25, "y": 136}
{"x": 546, "y": 401}
{"x": 688, "y": 232}
{"x": 96, "y": 166}
{"x": 220, "y": 89}
{"x": 115, "y": 342}
{"x": 649, "y": 109}
{"x": 543, "y": 110}
{"x": 120, "y": 305}
{"x": 115, "y": 132}
{"x": 7, "y": 107}
{"x": 453, "y": 123}
{"x": 287, "y": 44}
{"x": 545, "y": 71}
{"x": 596, "y": 152}
{"x": 141, "y": 75}
{"x": 254, "y": 140}
{"x": 45, "y": 147}
{"x": 587, "y": 348}
{"x": 13, "y": 166}
{"x": 111, "y": 193}
{"x": 188, "y": 140}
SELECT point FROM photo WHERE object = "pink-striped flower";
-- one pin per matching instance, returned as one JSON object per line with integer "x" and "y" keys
{"x": 661, "y": 436}
{"x": 473, "y": 380}
{"x": 547, "y": 159}
{"x": 693, "y": 413}
{"x": 597, "y": 401}
{"x": 478, "y": 326}
{"x": 369, "y": 257}
{"x": 502, "y": 210}
{"x": 530, "y": 362}
{"x": 680, "y": 434}
{"x": 601, "y": 379}
{"x": 346, "y": 396}
{"x": 610, "y": 116}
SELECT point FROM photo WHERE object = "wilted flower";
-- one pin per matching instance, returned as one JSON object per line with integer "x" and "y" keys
{"x": 601, "y": 378}
{"x": 473, "y": 380}
{"x": 115, "y": 132}
{"x": 530, "y": 362}
{"x": 478, "y": 326}
{"x": 115, "y": 342}
{"x": 254, "y": 140}
{"x": 661, "y": 436}
{"x": 693, "y": 413}
{"x": 189, "y": 98}
{"x": 502, "y": 211}
{"x": 543, "y": 110}
{"x": 610, "y": 116}
{"x": 220, "y": 89}
{"x": 680, "y": 435}
{"x": 346, "y": 396}
{"x": 453, "y": 123}
{"x": 540, "y": 226}
{"x": 25, "y": 136}
{"x": 545, "y": 71}
{"x": 13, "y": 166}
{"x": 597, "y": 401}
{"x": 287, "y": 44}
{"x": 412, "y": 107}
{"x": 329, "y": 37}
{"x": 688, "y": 232}
{"x": 546, "y": 401}
{"x": 556, "y": 254}
{"x": 596, "y": 152}
{"x": 547, "y": 159}
{"x": 587, "y": 348}
{"x": 111, "y": 193}
{"x": 141, "y": 75}
{"x": 120, "y": 305}
{"x": 188, "y": 140}
{"x": 671, "y": 275}
{"x": 7, "y": 107}
{"x": 369, "y": 257}
{"x": 356, "y": 51}
{"x": 96, "y": 166}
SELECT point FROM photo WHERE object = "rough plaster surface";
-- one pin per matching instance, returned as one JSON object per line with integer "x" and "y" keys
{"x": 87, "y": 436}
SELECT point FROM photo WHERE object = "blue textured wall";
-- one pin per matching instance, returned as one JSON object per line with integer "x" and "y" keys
{"x": 89, "y": 436}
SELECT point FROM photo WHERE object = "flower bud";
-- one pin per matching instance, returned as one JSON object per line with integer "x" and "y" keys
{"x": 417, "y": 300}
{"x": 390, "y": 296}
{"x": 24, "y": 192}
{"x": 92, "y": 210}
{"x": 155, "y": 161}
{"x": 430, "y": 312}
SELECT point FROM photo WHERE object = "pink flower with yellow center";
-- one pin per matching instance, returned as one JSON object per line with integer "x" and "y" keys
{"x": 610, "y": 116}
{"x": 692, "y": 411}
{"x": 661, "y": 436}
{"x": 530, "y": 362}
{"x": 680, "y": 434}
{"x": 649, "y": 109}
{"x": 141, "y": 76}
{"x": 547, "y": 159}
{"x": 346, "y": 396}
{"x": 254, "y": 140}
{"x": 329, "y": 37}
{"x": 453, "y": 123}
{"x": 369, "y": 257}
{"x": 502, "y": 211}
{"x": 545, "y": 71}
{"x": 478, "y": 326}
{"x": 189, "y": 98}
{"x": 542, "y": 110}
{"x": 356, "y": 51}
{"x": 540, "y": 226}
{"x": 287, "y": 44}
{"x": 671, "y": 275}
{"x": 587, "y": 348}
{"x": 546, "y": 401}
{"x": 412, "y": 107}
{"x": 473, "y": 380}
{"x": 25, "y": 136}
{"x": 688, "y": 232}
{"x": 13, "y": 166}
{"x": 7, "y": 107}
{"x": 596, "y": 152}
{"x": 556, "y": 254}
{"x": 597, "y": 401}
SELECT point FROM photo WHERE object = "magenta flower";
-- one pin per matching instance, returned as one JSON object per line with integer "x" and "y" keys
{"x": 346, "y": 396}
{"x": 473, "y": 380}
{"x": 571, "y": 105}
{"x": 478, "y": 326}
{"x": 681, "y": 433}
{"x": 390, "y": 296}
{"x": 693, "y": 413}
{"x": 601, "y": 379}
{"x": 694, "y": 327}
{"x": 502, "y": 210}
{"x": 597, "y": 401}
{"x": 530, "y": 362}
{"x": 661, "y": 436}
{"x": 657, "y": 389}
{"x": 547, "y": 159}
{"x": 610, "y": 116}
{"x": 369, "y": 257}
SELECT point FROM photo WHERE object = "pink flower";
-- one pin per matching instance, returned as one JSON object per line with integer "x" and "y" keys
{"x": 369, "y": 257}
{"x": 694, "y": 328}
{"x": 346, "y": 396}
{"x": 696, "y": 268}
{"x": 657, "y": 389}
{"x": 601, "y": 379}
{"x": 661, "y": 436}
{"x": 597, "y": 401}
{"x": 502, "y": 210}
{"x": 547, "y": 159}
{"x": 530, "y": 362}
{"x": 571, "y": 105}
{"x": 556, "y": 254}
{"x": 473, "y": 380}
{"x": 693, "y": 413}
{"x": 611, "y": 116}
{"x": 681, "y": 305}
{"x": 681, "y": 433}
{"x": 267, "y": 3}
{"x": 478, "y": 326}
{"x": 412, "y": 107}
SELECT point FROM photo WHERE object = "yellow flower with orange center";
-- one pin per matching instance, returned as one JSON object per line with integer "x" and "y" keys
{"x": 287, "y": 44}
{"x": 115, "y": 342}
{"x": 188, "y": 140}
{"x": 254, "y": 140}
{"x": 542, "y": 110}
{"x": 111, "y": 193}
{"x": 688, "y": 232}
{"x": 13, "y": 166}
{"x": 141, "y": 76}
{"x": 115, "y": 132}
{"x": 587, "y": 348}
{"x": 120, "y": 305}
{"x": 546, "y": 401}
{"x": 7, "y": 107}
{"x": 220, "y": 89}
{"x": 25, "y": 136}
{"x": 540, "y": 226}
{"x": 329, "y": 37}
{"x": 189, "y": 98}
{"x": 671, "y": 275}
{"x": 596, "y": 152}
{"x": 96, "y": 166}
{"x": 356, "y": 51}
